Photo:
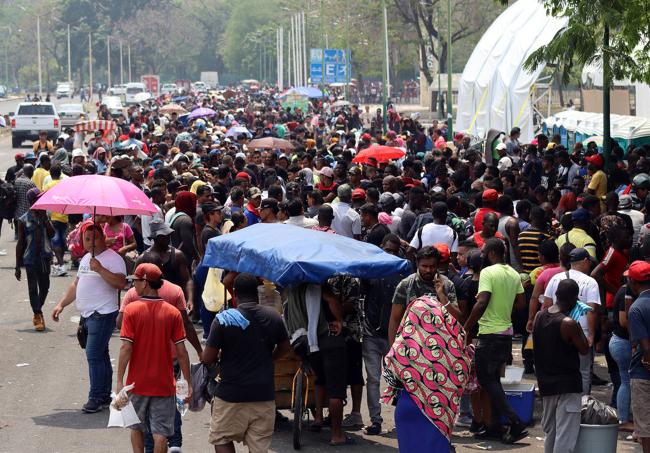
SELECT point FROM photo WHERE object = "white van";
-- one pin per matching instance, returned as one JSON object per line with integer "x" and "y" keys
{"x": 133, "y": 90}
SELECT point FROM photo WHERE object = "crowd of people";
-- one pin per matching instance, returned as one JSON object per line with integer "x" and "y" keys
{"x": 534, "y": 246}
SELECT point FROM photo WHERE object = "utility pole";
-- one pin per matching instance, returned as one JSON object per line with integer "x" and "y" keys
{"x": 386, "y": 80}
{"x": 69, "y": 58}
{"x": 289, "y": 58}
{"x": 450, "y": 96}
{"x": 38, "y": 39}
{"x": 108, "y": 62}
{"x": 323, "y": 45}
{"x": 128, "y": 49}
{"x": 347, "y": 49}
{"x": 90, "y": 67}
{"x": 607, "y": 148}
{"x": 121, "y": 66}
{"x": 305, "y": 61}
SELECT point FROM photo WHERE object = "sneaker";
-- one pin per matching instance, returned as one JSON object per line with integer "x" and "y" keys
{"x": 352, "y": 420}
{"x": 60, "y": 271}
{"x": 515, "y": 433}
{"x": 490, "y": 434}
{"x": 39, "y": 322}
{"x": 476, "y": 427}
{"x": 464, "y": 421}
{"x": 92, "y": 406}
{"x": 174, "y": 450}
{"x": 374, "y": 429}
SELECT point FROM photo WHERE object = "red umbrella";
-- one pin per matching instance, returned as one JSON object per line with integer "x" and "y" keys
{"x": 380, "y": 153}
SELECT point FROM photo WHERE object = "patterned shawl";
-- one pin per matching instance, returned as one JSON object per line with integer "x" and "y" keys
{"x": 429, "y": 359}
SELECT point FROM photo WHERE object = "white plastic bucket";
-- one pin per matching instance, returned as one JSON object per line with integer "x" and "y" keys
{"x": 597, "y": 439}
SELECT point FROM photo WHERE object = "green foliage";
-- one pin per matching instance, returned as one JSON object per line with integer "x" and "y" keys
{"x": 581, "y": 42}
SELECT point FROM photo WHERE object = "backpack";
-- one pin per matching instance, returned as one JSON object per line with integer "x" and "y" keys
{"x": 75, "y": 242}
{"x": 8, "y": 200}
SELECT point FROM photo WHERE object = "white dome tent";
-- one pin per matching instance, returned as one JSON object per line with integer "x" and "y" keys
{"x": 494, "y": 91}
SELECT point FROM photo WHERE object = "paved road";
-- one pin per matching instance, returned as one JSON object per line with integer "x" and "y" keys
{"x": 44, "y": 381}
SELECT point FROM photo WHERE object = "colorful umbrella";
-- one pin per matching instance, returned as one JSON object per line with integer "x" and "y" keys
{"x": 287, "y": 255}
{"x": 201, "y": 112}
{"x": 270, "y": 143}
{"x": 236, "y": 130}
{"x": 96, "y": 194}
{"x": 172, "y": 108}
{"x": 380, "y": 153}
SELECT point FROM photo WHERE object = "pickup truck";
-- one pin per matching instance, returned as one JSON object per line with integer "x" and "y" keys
{"x": 31, "y": 118}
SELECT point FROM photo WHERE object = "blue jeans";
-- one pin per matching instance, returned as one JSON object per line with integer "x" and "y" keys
{"x": 374, "y": 350}
{"x": 621, "y": 351}
{"x": 100, "y": 327}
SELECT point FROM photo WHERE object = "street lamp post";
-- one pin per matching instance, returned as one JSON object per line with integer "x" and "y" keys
{"x": 386, "y": 80}
{"x": 108, "y": 60}
{"x": 121, "y": 66}
{"x": 129, "y": 60}
{"x": 69, "y": 58}
{"x": 38, "y": 40}
{"x": 90, "y": 67}
{"x": 450, "y": 99}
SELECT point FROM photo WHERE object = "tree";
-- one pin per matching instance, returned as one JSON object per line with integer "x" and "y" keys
{"x": 175, "y": 50}
{"x": 611, "y": 33}
{"x": 429, "y": 19}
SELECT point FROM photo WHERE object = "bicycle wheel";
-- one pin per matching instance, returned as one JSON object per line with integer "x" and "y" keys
{"x": 298, "y": 409}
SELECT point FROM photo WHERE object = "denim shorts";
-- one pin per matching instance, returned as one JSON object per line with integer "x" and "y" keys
{"x": 60, "y": 230}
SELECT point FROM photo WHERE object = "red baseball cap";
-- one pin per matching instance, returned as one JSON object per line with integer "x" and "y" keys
{"x": 358, "y": 194}
{"x": 595, "y": 159}
{"x": 366, "y": 137}
{"x": 444, "y": 251}
{"x": 19, "y": 156}
{"x": 490, "y": 195}
{"x": 638, "y": 271}
{"x": 146, "y": 271}
{"x": 243, "y": 175}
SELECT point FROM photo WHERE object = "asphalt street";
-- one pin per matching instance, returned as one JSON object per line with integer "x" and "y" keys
{"x": 44, "y": 382}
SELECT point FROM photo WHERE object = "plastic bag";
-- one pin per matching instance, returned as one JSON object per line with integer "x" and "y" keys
{"x": 214, "y": 293}
{"x": 203, "y": 385}
{"x": 122, "y": 413}
{"x": 595, "y": 412}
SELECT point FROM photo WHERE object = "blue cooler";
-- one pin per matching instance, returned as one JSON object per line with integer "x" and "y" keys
{"x": 521, "y": 398}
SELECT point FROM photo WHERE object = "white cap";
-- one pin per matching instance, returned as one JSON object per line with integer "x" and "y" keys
{"x": 501, "y": 146}
{"x": 78, "y": 152}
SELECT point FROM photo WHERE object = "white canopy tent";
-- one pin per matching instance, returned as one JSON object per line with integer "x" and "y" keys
{"x": 495, "y": 89}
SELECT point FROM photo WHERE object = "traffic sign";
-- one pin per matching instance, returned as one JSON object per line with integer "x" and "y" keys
{"x": 333, "y": 63}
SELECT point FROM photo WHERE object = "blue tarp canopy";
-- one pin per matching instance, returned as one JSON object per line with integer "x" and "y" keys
{"x": 287, "y": 255}
{"x": 310, "y": 92}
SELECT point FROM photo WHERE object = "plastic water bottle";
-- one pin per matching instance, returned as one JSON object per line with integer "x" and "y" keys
{"x": 182, "y": 390}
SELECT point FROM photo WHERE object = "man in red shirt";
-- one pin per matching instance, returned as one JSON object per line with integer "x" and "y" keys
{"x": 489, "y": 197}
{"x": 609, "y": 273}
{"x": 148, "y": 326}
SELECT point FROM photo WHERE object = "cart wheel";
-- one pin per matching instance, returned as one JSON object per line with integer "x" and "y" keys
{"x": 298, "y": 410}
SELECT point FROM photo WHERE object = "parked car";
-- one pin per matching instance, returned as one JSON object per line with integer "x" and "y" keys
{"x": 136, "y": 92}
{"x": 170, "y": 88}
{"x": 71, "y": 114}
{"x": 200, "y": 87}
{"x": 31, "y": 118}
{"x": 117, "y": 90}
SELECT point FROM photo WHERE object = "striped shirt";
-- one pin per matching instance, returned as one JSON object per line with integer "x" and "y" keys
{"x": 529, "y": 242}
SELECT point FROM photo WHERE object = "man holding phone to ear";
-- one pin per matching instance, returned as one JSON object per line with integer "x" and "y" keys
{"x": 426, "y": 280}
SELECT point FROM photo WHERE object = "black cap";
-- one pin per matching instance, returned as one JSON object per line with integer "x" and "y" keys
{"x": 370, "y": 208}
{"x": 211, "y": 206}
{"x": 271, "y": 203}
{"x": 579, "y": 254}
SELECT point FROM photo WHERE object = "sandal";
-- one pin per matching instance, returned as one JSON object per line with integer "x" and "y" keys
{"x": 348, "y": 441}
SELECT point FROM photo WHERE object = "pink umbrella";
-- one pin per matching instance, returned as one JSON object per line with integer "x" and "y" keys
{"x": 96, "y": 194}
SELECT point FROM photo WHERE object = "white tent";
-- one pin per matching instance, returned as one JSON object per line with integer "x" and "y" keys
{"x": 494, "y": 91}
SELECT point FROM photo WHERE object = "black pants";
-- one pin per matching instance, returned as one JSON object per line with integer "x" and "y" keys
{"x": 38, "y": 284}
{"x": 492, "y": 354}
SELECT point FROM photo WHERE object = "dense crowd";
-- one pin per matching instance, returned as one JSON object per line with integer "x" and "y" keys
{"x": 531, "y": 246}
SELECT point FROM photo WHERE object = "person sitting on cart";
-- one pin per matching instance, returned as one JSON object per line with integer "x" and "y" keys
{"x": 243, "y": 408}
{"x": 326, "y": 350}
